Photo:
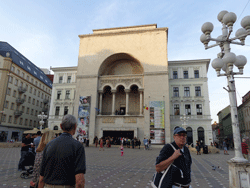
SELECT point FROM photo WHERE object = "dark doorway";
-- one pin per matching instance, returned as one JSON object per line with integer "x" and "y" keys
{"x": 201, "y": 136}
{"x": 189, "y": 135}
{"x": 122, "y": 110}
{"x": 117, "y": 134}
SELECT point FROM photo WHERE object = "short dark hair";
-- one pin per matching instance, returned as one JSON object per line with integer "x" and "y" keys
{"x": 68, "y": 122}
{"x": 39, "y": 133}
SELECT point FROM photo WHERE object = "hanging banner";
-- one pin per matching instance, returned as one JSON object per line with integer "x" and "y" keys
{"x": 157, "y": 122}
{"x": 83, "y": 117}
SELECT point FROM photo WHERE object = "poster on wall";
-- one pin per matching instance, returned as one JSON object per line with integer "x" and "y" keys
{"x": 83, "y": 117}
{"x": 157, "y": 121}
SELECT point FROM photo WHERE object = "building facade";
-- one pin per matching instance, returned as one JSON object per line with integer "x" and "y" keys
{"x": 63, "y": 95}
{"x": 25, "y": 93}
{"x": 188, "y": 88}
{"x": 123, "y": 87}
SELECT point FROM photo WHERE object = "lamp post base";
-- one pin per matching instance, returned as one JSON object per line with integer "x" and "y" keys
{"x": 238, "y": 160}
{"x": 239, "y": 174}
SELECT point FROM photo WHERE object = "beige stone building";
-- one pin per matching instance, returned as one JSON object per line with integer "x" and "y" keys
{"x": 123, "y": 76}
{"x": 25, "y": 93}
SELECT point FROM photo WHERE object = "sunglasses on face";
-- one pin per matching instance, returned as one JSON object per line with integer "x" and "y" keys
{"x": 183, "y": 135}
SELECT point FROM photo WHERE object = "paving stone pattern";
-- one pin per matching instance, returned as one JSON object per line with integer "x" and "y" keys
{"x": 108, "y": 169}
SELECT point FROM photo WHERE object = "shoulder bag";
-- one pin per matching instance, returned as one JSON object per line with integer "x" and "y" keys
{"x": 158, "y": 177}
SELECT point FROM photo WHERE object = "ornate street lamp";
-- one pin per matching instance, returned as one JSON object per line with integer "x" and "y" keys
{"x": 42, "y": 117}
{"x": 184, "y": 119}
{"x": 226, "y": 61}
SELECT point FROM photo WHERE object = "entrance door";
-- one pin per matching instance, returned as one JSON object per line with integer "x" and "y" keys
{"x": 189, "y": 136}
{"x": 201, "y": 136}
{"x": 117, "y": 134}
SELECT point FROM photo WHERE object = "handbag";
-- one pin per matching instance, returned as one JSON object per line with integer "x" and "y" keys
{"x": 159, "y": 176}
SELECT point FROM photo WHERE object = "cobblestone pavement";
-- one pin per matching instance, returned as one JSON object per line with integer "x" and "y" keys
{"x": 135, "y": 169}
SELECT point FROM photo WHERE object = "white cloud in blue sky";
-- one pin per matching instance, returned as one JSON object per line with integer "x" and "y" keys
{"x": 46, "y": 32}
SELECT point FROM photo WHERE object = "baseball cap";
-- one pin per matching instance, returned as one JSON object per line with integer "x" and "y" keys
{"x": 179, "y": 130}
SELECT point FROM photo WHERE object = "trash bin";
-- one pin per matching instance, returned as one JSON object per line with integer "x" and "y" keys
{"x": 205, "y": 149}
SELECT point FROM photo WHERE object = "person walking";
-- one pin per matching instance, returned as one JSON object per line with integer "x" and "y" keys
{"x": 26, "y": 145}
{"x": 225, "y": 147}
{"x": 45, "y": 139}
{"x": 180, "y": 174}
{"x": 121, "y": 148}
{"x": 37, "y": 139}
{"x": 245, "y": 149}
{"x": 63, "y": 164}
{"x": 145, "y": 142}
{"x": 197, "y": 147}
{"x": 139, "y": 143}
{"x": 96, "y": 141}
{"x": 101, "y": 145}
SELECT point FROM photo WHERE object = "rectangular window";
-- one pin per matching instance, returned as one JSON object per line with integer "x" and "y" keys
{"x": 28, "y": 111}
{"x": 38, "y": 93}
{"x": 41, "y": 104}
{"x": 185, "y": 74}
{"x": 12, "y": 106}
{"x": 14, "y": 93}
{"x": 6, "y": 105}
{"x": 34, "y": 91}
{"x": 175, "y": 75}
{"x": 32, "y": 80}
{"x": 22, "y": 74}
{"x": 198, "y": 109}
{"x": 29, "y": 99}
{"x": 40, "y": 85}
{"x": 69, "y": 79}
{"x": 66, "y": 109}
{"x": 12, "y": 69}
{"x": 24, "y": 97}
{"x": 37, "y": 102}
{"x": 23, "y": 108}
{"x": 57, "y": 110}
{"x": 186, "y": 92}
{"x": 42, "y": 95}
{"x": 30, "y": 122}
{"x": 34, "y": 124}
{"x": 198, "y": 91}
{"x": 36, "y": 113}
{"x": 27, "y": 78}
{"x": 16, "y": 82}
{"x": 26, "y": 122}
{"x": 21, "y": 84}
{"x": 26, "y": 86}
{"x": 176, "y": 92}
{"x": 10, "y": 79}
{"x": 67, "y": 94}
{"x": 15, "y": 120}
{"x": 36, "y": 83}
{"x": 32, "y": 111}
{"x": 33, "y": 102}
{"x": 59, "y": 94}
{"x": 8, "y": 91}
{"x": 188, "y": 109}
{"x": 196, "y": 73}
{"x": 60, "y": 79}
{"x": 10, "y": 119}
{"x": 176, "y": 109}
{"x": 30, "y": 89}
{"x": 4, "y": 118}
{"x": 21, "y": 121}
{"x": 18, "y": 71}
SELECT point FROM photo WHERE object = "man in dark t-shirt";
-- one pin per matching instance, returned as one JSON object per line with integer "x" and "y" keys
{"x": 26, "y": 144}
{"x": 63, "y": 163}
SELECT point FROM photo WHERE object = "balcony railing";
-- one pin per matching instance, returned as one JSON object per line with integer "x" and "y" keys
{"x": 45, "y": 101}
{"x": 19, "y": 101}
{"x": 18, "y": 113}
{"x": 45, "y": 109}
{"x": 22, "y": 89}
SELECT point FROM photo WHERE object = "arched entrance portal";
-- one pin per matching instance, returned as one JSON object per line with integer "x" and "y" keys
{"x": 201, "y": 136}
{"x": 189, "y": 135}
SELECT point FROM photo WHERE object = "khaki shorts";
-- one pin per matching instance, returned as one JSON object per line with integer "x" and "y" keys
{"x": 58, "y": 186}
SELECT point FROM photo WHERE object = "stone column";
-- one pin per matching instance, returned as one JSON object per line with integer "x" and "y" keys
{"x": 127, "y": 97}
{"x": 140, "y": 101}
{"x": 113, "y": 101}
{"x": 100, "y": 102}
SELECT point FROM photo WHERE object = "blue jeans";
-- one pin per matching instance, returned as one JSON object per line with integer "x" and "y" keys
{"x": 20, "y": 164}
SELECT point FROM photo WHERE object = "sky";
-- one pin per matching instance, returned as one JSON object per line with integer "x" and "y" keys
{"x": 46, "y": 31}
